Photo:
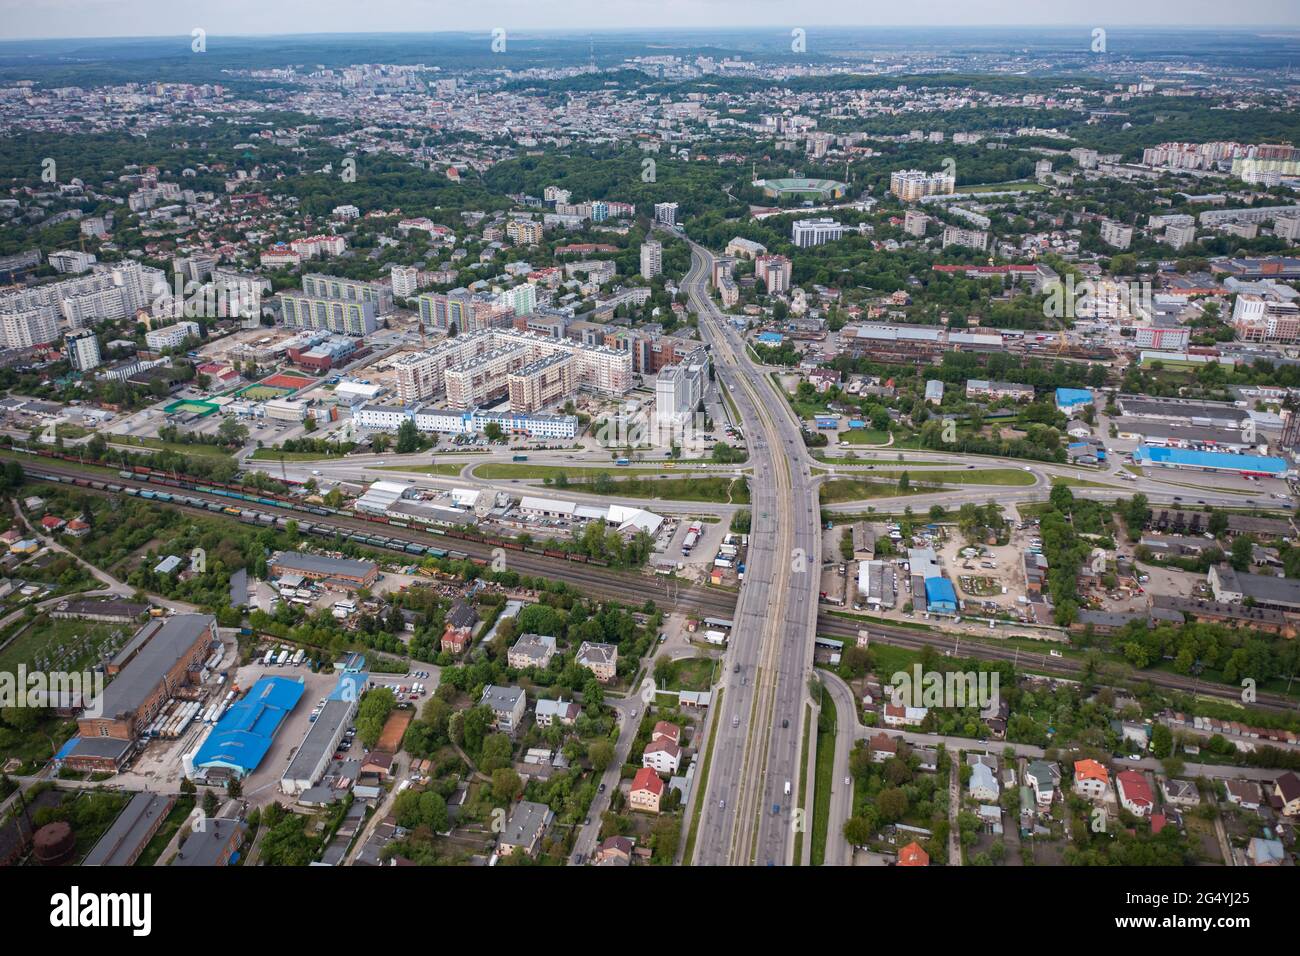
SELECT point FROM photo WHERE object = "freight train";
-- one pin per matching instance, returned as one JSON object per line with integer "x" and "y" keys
{"x": 287, "y": 503}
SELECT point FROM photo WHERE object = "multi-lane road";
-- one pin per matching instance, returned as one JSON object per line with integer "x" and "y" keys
{"x": 747, "y": 812}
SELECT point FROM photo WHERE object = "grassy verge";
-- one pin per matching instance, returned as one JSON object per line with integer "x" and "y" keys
{"x": 803, "y": 783}
{"x": 703, "y": 783}
{"x": 496, "y": 470}
{"x": 275, "y": 454}
{"x": 449, "y": 468}
{"x": 821, "y": 817}
{"x": 989, "y": 476}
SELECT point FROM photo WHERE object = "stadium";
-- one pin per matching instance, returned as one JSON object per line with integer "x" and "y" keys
{"x": 817, "y": 189}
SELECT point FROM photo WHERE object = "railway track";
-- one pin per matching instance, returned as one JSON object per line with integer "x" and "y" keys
{"x": 634, "y": 588}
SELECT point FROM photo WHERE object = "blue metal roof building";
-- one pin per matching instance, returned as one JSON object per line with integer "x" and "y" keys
{"x": 771, "y": 338}
{"x": 940, "y": 596}
{"x": 244, "y": 733}
{"x": 1070, "y": 398}
{"x": 1210, "y": 460}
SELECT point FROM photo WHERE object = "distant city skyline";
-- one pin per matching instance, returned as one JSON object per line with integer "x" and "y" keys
{"x": 71, "y": 19}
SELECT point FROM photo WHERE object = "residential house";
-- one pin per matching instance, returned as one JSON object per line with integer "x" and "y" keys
{"x": 647, "y": 790}
{"x": 913, "y": 855}
{"x": 1091, "y": 779}
{"x": 525, "y": 828}
{"x": 564, "y": 711}
{"x": 600, "y": 659}
{"x": 1286, "y": 794}
{"x": 1135, "y": 793}
{"x": 896, "y": 715}
{"x": 663, "y": 730}
{"x": 882, "y": 747}
{"x": 460, "y": 623}
{"x": 1043, "y": 778}
{"x": 984, "y": 783}
{"x": 507, "y": 704}
{"x": 531, "y": 650}
{"x": 1244, "y": 793}
{"x": 663, "y": 755}
{"x": 1262, "y": 852}
{"x": 613, "y": 851}
{"x": 1182, "y": 793}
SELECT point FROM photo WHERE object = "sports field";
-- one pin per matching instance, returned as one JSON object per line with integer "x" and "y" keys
{"x": 190, "y": 406}
{"x": 284, "y": 380}
{"x": 260, "y": 392}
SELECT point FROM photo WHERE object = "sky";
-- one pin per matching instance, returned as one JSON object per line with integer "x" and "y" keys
{"x": 117, "y": 18}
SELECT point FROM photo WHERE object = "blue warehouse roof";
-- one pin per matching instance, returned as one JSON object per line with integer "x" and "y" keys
{"x": 244, "y": 733}
{"x": 939, "y": 591}
{"x": 1067, "y": 397}
{"x": 1219, "y": 460}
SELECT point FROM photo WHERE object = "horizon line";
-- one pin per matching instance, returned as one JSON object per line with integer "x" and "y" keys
{"x": 646, "y": 28}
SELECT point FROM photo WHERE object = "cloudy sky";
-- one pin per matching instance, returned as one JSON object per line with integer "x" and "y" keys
{"x": 101, "y": 18}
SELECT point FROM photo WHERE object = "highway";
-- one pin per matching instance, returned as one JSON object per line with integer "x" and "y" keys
{"x": 747, "y": 816}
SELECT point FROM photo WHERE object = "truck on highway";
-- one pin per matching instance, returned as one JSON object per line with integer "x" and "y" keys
{"x": 622, "y": 461}
{"x": 519, "y": 458}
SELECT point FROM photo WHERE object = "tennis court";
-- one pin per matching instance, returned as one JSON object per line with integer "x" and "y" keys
{"x": 284, "y": 380}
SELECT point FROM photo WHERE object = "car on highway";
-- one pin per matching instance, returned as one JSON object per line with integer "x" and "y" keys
{"x": 847, "y": 781}
{"x": 785, "y": 722}
{"x": 601, "y": 788}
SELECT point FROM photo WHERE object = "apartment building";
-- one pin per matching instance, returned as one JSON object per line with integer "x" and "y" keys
{"x": 971, "y": 238}
{"x": 910, "y": 185}
{"x": 171, "y": 336}
{"x": 82, "y": 349}
{"x": 547, "y": 381}
{"x": 341, "y": 316}
{"x": 406, "y": 280}
{"x": 463, "y": 310}
{"x": 652, "y": 258}
{"x": 378, "y": 294}
{"x": 679, "y": 388}
{"x": 774, "y": 272}
{"x": 1116, "y": 234}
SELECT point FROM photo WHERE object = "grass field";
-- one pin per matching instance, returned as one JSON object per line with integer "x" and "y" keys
{"x": 260, "y": 393}
{"x": 864, "y": 436}
{"x": 1023, "y": 186}
{"x": 196, "y": 450}
{"x": 855, "y": 489}
{"x": 719, "y": 489}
